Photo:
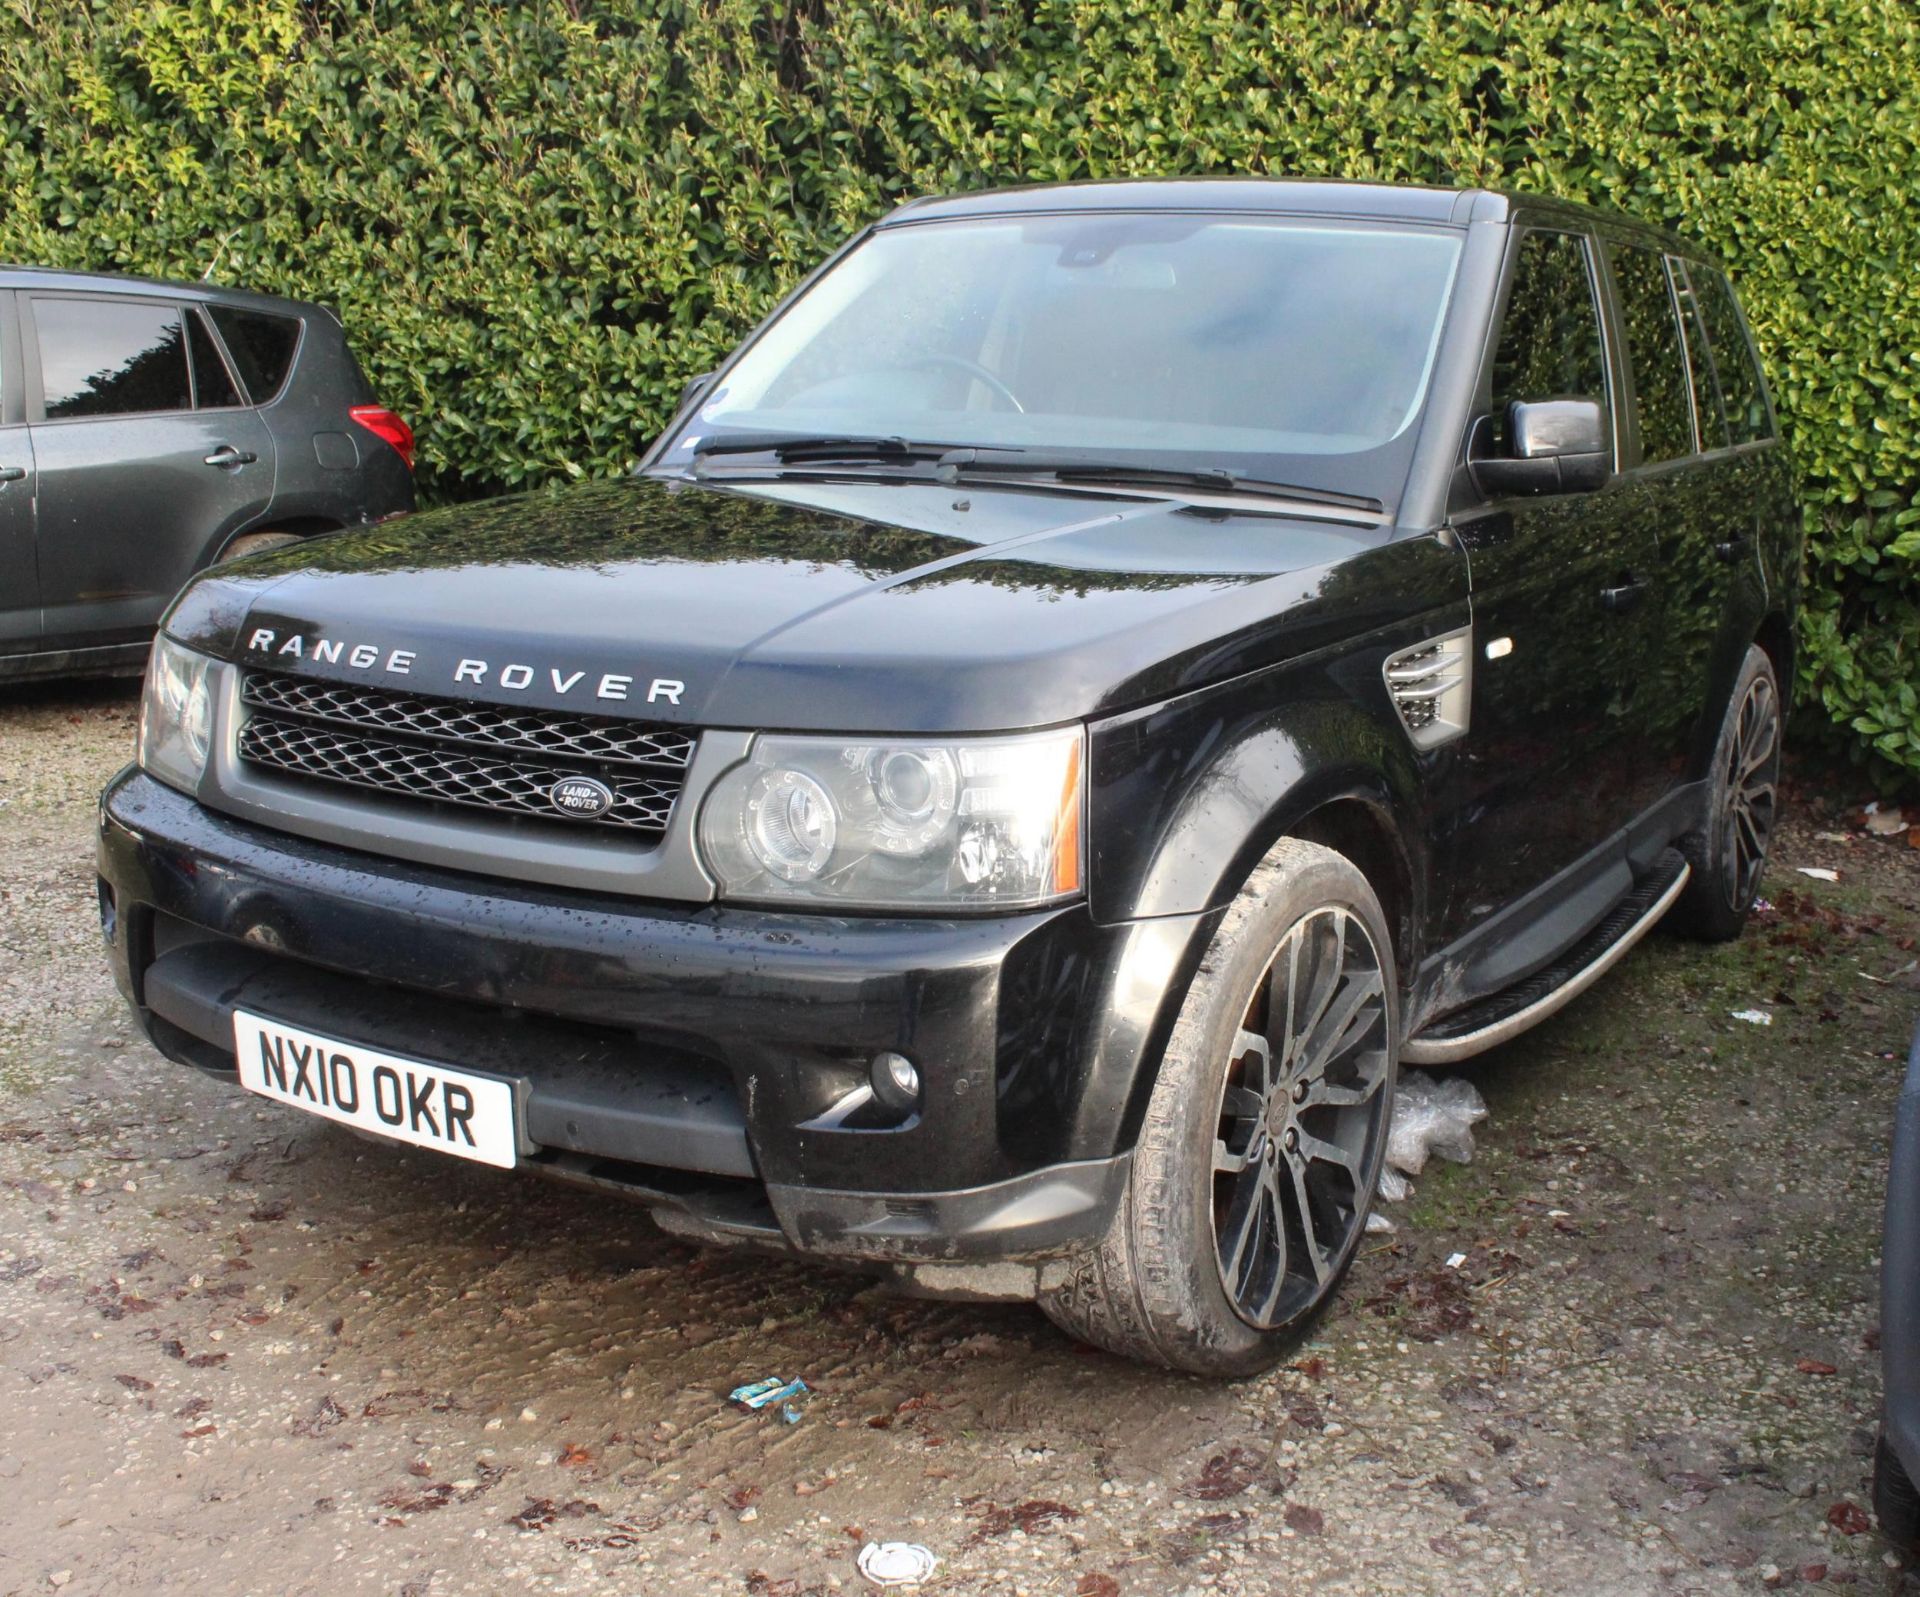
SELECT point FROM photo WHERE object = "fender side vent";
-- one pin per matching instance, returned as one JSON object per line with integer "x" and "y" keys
{"x": 1431, "y": 685}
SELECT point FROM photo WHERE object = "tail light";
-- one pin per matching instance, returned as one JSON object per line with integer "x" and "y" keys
{"x": 384, "y": 423}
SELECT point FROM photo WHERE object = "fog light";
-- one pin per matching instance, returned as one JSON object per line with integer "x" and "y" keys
{"x": 895, "y": 1082}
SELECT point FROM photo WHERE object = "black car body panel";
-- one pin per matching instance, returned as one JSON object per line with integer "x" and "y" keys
{"x": 1030, "y": 610}
{"x": 1226, "y": 651}
{"x": 1900, "y": 1296}
{"x": 130, "y": 481}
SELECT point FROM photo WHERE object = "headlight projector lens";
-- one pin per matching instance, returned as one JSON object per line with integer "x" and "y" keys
{"x": 915, "y": 792}
{"x": 790, "y": 824}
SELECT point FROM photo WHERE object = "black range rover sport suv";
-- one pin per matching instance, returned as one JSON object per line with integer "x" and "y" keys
{"x": 1099, "y": 679}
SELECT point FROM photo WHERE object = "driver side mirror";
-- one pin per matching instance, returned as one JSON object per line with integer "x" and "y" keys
{"x": 1554, "y": 446}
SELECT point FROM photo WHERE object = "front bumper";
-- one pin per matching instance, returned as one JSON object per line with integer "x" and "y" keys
{"x": 694, "y": 1056}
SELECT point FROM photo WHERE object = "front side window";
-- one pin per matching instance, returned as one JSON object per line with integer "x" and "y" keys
{"x": 1550, "y": 345}
{"x": 103, "y": 357}
{"x": 1240, "y": 340}
{"x": 1657, "y": 353}
{"x": 1743, "y": 392}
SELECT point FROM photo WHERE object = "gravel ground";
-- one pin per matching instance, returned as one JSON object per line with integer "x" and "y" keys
{"x": 245, "y": 1352}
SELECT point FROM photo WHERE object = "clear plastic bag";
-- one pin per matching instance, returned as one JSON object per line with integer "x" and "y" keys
{"x": 1430, "y": 1117}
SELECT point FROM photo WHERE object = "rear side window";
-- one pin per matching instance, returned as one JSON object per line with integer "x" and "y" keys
{"x": 1656, "y": 350}
{"x": 262, "y": 347}
{"x": 1743, "y": 392}
{"x": 212, "y": 383}
{"x": 1550, "y": 344}
{"x": 1706, "y": 391}
{"x": 104, "y": 357}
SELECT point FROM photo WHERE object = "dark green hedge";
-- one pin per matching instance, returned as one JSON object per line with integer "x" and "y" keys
{"x": 538, "y": 218}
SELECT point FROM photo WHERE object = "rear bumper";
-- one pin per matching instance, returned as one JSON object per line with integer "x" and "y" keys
{"x": 1900, "y": 1276}
{"x": 691, "y": 1056}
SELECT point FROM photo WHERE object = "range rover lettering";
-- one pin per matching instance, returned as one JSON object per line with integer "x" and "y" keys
{"x": 1098, "y": 680}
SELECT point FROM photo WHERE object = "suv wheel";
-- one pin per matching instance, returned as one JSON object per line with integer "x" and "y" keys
{"x": 1257, "y": 1159}
{"x": 1730, "y": 853}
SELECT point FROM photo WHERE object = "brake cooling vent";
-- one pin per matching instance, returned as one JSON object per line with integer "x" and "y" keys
{"x": 1431, "y": 685}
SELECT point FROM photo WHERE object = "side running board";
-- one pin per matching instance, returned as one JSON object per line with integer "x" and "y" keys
{"x": 1494, "y": 1020}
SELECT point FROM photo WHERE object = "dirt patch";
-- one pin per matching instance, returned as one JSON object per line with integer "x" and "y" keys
{"x": 242, "y": 1351}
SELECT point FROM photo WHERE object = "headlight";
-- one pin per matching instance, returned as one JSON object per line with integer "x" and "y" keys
{"x": 900, "y": 824}
{"x": 176, "y": 715}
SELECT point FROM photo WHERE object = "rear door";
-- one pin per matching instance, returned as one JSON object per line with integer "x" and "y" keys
{"x": 1554, "y": 758}
{"x": 147, "y": 459}
{"x": 1704, "y": 495}
{"x": 19, "y": 580}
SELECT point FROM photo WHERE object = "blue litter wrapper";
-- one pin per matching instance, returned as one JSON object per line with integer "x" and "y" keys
{"x": 765, "y": 1393}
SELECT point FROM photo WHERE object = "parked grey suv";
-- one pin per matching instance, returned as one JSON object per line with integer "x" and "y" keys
{"x": 150, "y": 429}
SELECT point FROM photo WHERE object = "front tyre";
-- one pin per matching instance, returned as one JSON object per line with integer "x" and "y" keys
{"x": 1729, "y": 853}
{"x": 1261, "y": 1146}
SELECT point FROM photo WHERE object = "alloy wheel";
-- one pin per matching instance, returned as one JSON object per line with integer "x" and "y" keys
{"x": 1302, "y": 1113}
{"x": 1753, "y": 766}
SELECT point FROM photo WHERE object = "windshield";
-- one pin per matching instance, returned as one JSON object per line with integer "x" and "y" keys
{"x": 1237, "y": 341}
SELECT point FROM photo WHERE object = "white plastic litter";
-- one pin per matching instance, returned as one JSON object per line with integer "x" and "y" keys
{"x": 1884, "y": 822}
{"x": 896, "y": 1563}
{"x": 1753, "y": 1017}
{"x": 1454, "y": 1261}
{"x": 1432, "y": 1117}
{"x": 1393, "y": 1187}
{"x": 1379, "y": 1224}
{"x": 1819, "y": 873}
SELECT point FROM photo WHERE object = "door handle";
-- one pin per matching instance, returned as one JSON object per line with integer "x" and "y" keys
{"x": 1733, "y": 548}
{"x": 1622, "y": 598}
{"x": 227, "y": 455}
{"x": 12, "y": 473}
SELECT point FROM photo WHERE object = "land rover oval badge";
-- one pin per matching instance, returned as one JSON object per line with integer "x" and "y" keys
{"x": 581, "y": 797}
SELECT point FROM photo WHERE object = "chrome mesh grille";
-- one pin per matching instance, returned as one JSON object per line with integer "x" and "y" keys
{"x": 549, "y": 732}
{"x": 470, "y": 754}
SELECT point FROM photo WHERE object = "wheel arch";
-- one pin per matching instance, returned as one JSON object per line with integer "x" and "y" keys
{"x": 1359, "y": 827}
{"x": 298, "y": 526}
{"x": 1775, "y": 636}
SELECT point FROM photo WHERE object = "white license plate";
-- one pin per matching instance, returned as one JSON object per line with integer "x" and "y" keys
{"x": 428, "y": 1105}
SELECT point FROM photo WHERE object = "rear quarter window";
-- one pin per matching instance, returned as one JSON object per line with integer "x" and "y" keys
{"x": 262, "y": 346}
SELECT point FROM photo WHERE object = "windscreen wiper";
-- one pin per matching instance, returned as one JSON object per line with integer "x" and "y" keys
{"x": 796, "y": 447}
{"x": 959, "y": 462}
{"x": 951, "y": 462}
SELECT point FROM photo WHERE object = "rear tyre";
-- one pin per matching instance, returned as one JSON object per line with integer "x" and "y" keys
{"x": 1729, "y": 853}
{"x": 253, "y": 543}
{"x": 1257, "y": 1159}
{"x": 1896, "y": 1502}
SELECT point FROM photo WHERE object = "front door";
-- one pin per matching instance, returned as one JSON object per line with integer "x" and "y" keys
{"x": 137, "y": 487}
{"x": 1553, "y": 762}
{"x": 19, "y": 581}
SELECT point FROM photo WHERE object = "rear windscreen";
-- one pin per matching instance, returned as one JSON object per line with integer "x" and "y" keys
{"x": 261, "y": 345}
